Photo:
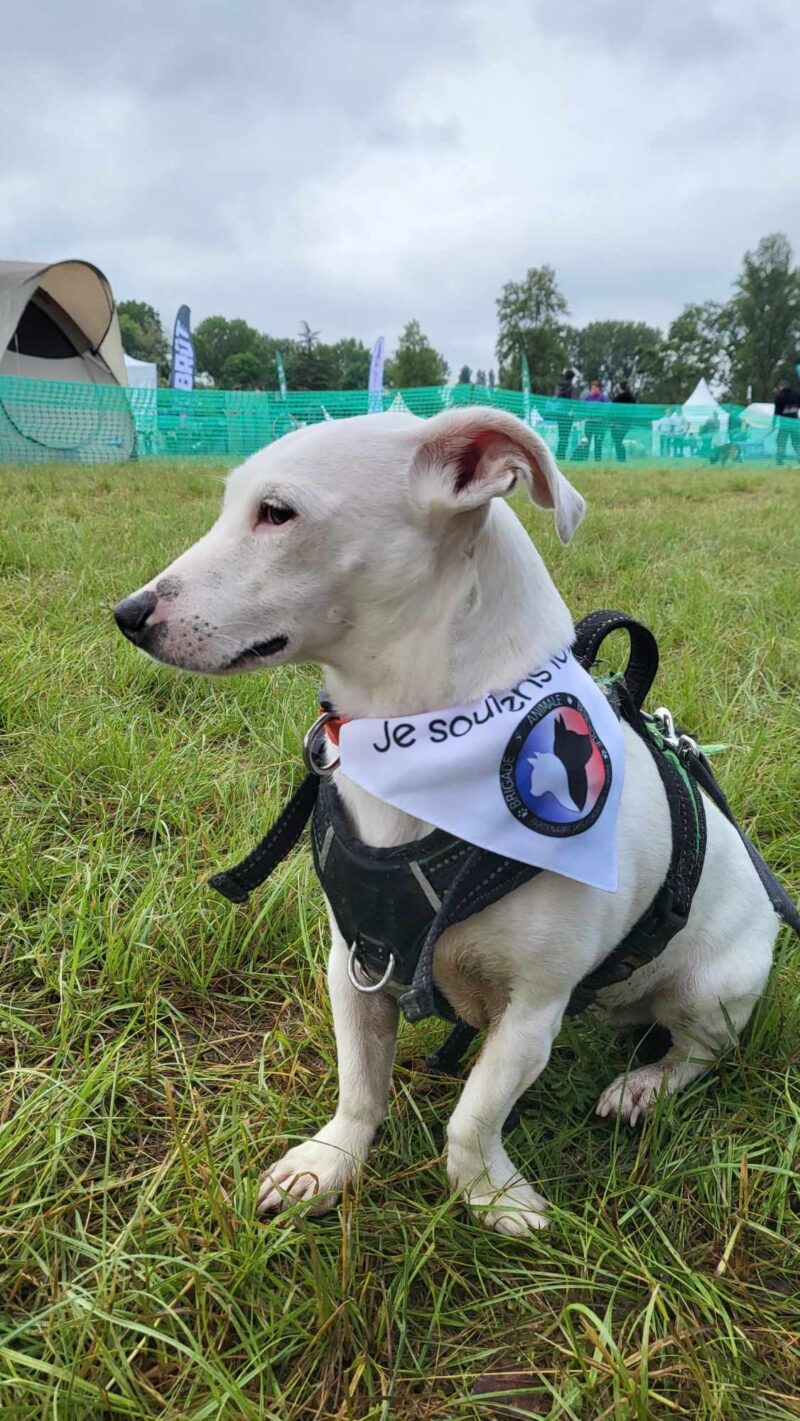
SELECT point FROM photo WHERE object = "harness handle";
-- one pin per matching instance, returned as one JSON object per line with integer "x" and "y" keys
{"x": 640, "y": 672}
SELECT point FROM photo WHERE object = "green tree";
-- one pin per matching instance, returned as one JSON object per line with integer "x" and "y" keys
{"x": 142, "y": 334}
{"x": 311, "y": 365}
{"x": 415, "y": 362}
{"x": 694, "y": 348}
{"x": 217, "y": 339}
{"x": 242, "y": 371}
{"x": 530, "y": 316}
{"x": 480, "y": 377}
{"x": 464, "y": 375}
{"x": 611, "y": 350}
{"x": 764, "y": 319}
{"x": 350, "y": 361}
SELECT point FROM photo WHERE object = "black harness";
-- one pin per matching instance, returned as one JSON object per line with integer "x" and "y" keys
{"x": 393, "y": 905}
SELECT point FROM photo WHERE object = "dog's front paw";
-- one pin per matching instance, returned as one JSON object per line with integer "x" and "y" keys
{"x": 319, "y": 1169}
{"x": 516, "y": 1210}
{"x": 510, "y": 1207}
{"x": 632, "y": 1095}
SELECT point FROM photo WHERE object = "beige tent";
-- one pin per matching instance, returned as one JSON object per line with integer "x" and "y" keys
{"x": 58, "y": 321}
{"x": 58, "y": 324}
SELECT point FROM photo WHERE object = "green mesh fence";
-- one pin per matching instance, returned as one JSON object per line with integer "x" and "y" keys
{"x": 48, "y": 420}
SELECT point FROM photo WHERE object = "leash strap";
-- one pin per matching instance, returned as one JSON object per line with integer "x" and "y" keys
{"x": 237, "y": 883}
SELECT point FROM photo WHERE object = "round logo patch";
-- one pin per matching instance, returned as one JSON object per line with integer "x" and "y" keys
{"x": 555, "y": 773}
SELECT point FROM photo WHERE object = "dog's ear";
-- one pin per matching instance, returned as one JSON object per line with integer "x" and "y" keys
{"x": 467, "y": 456}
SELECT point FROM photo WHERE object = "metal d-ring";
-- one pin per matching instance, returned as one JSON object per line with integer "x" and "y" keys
{"x": 310, "y": 747}
{"x": 361, "y": 986}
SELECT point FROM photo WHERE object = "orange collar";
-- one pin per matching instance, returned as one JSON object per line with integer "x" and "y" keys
{"x": 333, "y": 727}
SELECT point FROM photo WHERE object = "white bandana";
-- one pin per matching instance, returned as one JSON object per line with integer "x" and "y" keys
{"x": 533, "y": 773}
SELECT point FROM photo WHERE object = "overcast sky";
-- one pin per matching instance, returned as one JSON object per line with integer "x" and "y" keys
{"x": 358, "y": 164}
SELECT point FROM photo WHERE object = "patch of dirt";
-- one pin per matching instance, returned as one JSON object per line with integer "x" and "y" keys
{"x": 506, "y": 1394}
{"x": 214, "y": 1032}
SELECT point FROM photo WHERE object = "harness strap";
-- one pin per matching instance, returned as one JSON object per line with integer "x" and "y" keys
{"x": 237, "y": 883}
{"x": 784, "y": 906}
{"x": 482, "y": 879}
{"x": 669, "y": 911}
{"x": 640, "y": 672}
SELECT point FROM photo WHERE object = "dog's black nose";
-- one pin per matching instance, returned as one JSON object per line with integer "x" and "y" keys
{"x": 131, "y": 615}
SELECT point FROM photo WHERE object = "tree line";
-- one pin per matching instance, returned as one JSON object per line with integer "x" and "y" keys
{"x": 744, "y": 346}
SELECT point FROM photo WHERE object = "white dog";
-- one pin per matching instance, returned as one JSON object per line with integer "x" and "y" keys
{"x": 381, "y": 548}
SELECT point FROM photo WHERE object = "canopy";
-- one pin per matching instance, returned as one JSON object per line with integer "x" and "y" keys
{"x": 701, "y": 398}
{"x": 760, "y": 415}
{"x": 58, "y": 321}
{"x": 701, "y": 408}
{"x": 142, "y": 374}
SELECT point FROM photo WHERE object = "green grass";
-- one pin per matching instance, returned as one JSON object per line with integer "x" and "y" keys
{"x": 159, "y": 1047}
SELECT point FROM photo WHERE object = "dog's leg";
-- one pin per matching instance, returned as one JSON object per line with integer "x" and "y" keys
{"x": 703, "y": 1015}
{"x": 515, "y": 1053}
{"x": 718, "y": 972}
{"x": 366, "y": 1034}
{"x": 697, "y": 1041}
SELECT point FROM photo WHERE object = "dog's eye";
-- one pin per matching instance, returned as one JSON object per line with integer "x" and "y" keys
{"x": 274, "y": 514}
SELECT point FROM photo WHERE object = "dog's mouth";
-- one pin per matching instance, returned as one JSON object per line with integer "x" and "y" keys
{"x": 258, "y": 652}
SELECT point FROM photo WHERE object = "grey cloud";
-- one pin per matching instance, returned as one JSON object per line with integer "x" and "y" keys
{"x": 358, "y": 164}
{"x": 680, "y": 32}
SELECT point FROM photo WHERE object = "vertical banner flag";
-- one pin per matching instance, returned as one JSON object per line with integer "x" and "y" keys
{"x": 526, "y": 387}
{"x": 181, "y": 376}
{"x": 375, "y": 385}
{"x": 281, "y": 374}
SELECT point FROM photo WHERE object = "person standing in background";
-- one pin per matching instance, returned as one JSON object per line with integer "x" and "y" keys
{"x": 680, "y": 433}
{"x": 595, "y": 422}
{"x": 787, "y": 404}
{"x": 623, "y": 395}
{"x": 565, "y": 391}
{"x": 666, "y": 425}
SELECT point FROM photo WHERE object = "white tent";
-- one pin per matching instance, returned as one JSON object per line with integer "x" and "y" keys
{"x": 701, "y": 406}
{"x": 142, "y": 374}
{"x": 59, "y": 328}
{"x": 759, "y": 415}
{"x": 143, "y": 381}
{"x": 701, "y": 399}
{"x": 698, "y": 409}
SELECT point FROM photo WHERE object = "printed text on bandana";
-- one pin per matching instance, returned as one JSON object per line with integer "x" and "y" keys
{"x": 534, "y": 772}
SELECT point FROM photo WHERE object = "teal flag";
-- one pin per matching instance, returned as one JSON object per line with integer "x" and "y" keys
{"x": 281, "y": 373}
{"x": 526, "y": 387}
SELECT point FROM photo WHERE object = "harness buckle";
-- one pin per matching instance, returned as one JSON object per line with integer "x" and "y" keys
{"x": 368, "y": 988}
{"x": 311, "y": 747}
{"x": 664, "y": 721}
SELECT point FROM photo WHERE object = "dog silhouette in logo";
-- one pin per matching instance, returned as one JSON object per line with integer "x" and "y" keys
{"x": 563, "y": 773}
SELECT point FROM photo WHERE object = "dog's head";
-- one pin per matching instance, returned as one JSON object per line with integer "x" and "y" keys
{"x": 337, "y": 528}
